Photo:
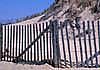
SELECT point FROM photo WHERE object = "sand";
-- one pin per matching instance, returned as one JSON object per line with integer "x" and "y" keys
{"x": 14, "y": 66}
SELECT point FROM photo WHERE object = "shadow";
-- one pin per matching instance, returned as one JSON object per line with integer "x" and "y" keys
{"x": 21, "y": 61}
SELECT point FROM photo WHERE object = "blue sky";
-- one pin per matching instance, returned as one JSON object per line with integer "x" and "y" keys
{"x": 11, "y": 9}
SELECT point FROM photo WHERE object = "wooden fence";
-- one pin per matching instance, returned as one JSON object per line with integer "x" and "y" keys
{"x": 61, "y": 44}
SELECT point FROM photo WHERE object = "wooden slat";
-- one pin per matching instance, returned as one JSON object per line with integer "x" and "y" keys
{"x": 22, "y": 40}
{"x": 95, "y": 46}
{"x": 50, "y": 40}
{"x": 4, "y": 42}
{"x": 55, "y": 42}
{"x": 7, "y": 49}
{"x": 31, "y": 41}
{"x": 45, "y": 30}
{"x": 27, "y": 42}
{"x": 40, "y": 41}
{"x": 37, "y": 43}
{"x": 16, "y": 41}
{"x": 13, "y": 41}
{"x": 10, "y": 41}
{"x": 34, "y": 32}
{"x": 75, "y": 47}
{"x": 92, "y": 57}
{"x": 19, "y": 39}
{"x": 90, "y": 47}
{"x": 70, "y": 58}
{"x": 85, "y": 44}
{"x": 63, "y": 43}
{"x": 98, "y": 23}
{"x": 80, "y": 44}
{"x": 47, "y": 42}
{"x": 43, "y": 41}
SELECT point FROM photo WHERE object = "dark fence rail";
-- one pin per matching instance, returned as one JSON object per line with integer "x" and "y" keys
{"x": 61, "y": 44}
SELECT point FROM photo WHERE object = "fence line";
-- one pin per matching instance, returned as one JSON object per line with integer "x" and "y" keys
{"x": 57, "y": 43}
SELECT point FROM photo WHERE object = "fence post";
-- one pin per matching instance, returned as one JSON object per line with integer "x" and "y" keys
{"x": 55, "y": 42}
{"x": 1, "y": 36}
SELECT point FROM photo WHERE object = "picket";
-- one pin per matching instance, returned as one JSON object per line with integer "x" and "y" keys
{"x": 52, "y": 42}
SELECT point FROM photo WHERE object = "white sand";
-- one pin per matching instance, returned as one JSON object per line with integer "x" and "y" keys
{"x": 13, "y": 66}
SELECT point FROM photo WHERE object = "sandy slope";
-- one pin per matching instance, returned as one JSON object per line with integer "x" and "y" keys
{"x": 13, "y": 66}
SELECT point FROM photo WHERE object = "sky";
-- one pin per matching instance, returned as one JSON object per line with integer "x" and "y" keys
{"x": 12, "y": 9}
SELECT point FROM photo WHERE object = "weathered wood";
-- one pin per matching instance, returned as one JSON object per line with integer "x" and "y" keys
{"x": 63, "y": 43}
{"x": 89, "y": 40}
{"x": 43, "y": 40}
{"x": 49, "y": 50}
{"x": 45, "y": 30}
{"x": 31, "y": 41}
{"x": 34, "y": 31}
{"x": 4, "y": 42}
{"x": 16, "y": 42}
{"x": 19, "y": 39}
{"x": 10, "y": 41}
{"x": 95, "y": 46}
{"x": 40, "y": 42}
{"x": 85, "y": 44}
{"x": 27, "y": 42}
{"x": 37, "y": 43}
{"x": 67, "y": 36}
{"x": 75, "y": 47}
{"x": 92, "y": 57}
{"x": 50, "y": 40}
{"x": 22, "y": 41}
{"x": 55, "y": 41}
{"x": 98, "y": 23}
{"x": 13, "y": 41}
{"x": 80, "y": 44}
{"x": 47, "y": 42}
{"x": 7, "y": 49}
